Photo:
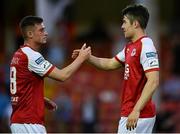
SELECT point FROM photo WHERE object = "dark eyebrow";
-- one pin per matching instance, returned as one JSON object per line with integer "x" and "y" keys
{"x": 41, "y": 29}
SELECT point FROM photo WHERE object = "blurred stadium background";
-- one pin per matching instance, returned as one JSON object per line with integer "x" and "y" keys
{"x": 90, "y": 100}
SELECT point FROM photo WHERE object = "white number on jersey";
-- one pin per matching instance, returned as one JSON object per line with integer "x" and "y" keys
{"x": 13, "y": 88}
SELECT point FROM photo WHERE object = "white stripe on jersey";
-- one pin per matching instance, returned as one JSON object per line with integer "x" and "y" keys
{"x": 36, "y": 62}
{"x": 121, "y": 55}
{"x": 149, "y": 57}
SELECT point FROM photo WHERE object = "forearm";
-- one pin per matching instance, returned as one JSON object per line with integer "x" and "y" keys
{"x": 65, "y": 73}
{"x": 146, "y": 95}
{"x": 102, "y": 63}
{"x": 73, "y": 67}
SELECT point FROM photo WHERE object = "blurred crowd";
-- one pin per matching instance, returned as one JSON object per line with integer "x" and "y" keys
{"x": 90, "y": 100}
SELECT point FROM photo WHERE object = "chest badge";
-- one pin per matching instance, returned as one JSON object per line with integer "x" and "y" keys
{"x": 133, "y": 52}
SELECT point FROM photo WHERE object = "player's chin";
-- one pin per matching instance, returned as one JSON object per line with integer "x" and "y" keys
{"x": 126, "y": 36}
{"x": 44, "y": 41}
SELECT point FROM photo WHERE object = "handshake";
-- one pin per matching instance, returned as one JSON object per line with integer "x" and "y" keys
{"x": 84, "y": 53}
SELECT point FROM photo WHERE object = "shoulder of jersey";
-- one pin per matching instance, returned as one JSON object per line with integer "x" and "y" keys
{"x": 30, "y": 52}
{"x": 147, "y": 40}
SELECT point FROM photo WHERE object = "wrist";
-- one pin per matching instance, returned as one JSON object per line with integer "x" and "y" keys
{"x": 81, "y": 59}
{"x": 89, "y": 58}
{"x": 136, "y": 109}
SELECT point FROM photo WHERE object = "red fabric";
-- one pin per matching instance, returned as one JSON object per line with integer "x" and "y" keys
{"x": 28, "y": 101}
{"x": 134, "y": 81}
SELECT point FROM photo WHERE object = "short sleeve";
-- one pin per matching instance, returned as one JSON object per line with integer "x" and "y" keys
{"x": 121, "y": 56}
{"x": 37, "y": 63}
{"x": 149, "y": 56}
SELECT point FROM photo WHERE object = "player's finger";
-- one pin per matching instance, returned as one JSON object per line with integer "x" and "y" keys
{"x": 74, "y": 56}
{"x": 135, "y": 123}
{"x": 56, "y": 107}
{"x": 76, "y": 51}
{"x": 88, "y": 48}
{"x": 132, "y": 126}
{"x": 127, "y": 126}
{"x": 83, "y": 47}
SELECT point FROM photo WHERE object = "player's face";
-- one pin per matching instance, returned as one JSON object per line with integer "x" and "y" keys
{"x": 40, "y": 34}
{"x": 127, "y": 28}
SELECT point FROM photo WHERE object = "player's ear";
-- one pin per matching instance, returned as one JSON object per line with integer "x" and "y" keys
{"x": 30, "y": 34}
{"x": 136, "y": 24}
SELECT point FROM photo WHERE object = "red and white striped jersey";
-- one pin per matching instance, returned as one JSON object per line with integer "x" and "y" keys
{"x": 27, "y": 70}
{"x": 138, "y": 58}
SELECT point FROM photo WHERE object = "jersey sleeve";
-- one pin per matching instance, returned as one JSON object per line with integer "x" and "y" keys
{"x": 37, "y": 63}
{"x": 149, "y": 56}
{"x": 121, "y": 56}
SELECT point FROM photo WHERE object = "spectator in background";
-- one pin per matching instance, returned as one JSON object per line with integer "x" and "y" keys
{"x": 56, "y": 53}
{"x": 4, "y": 116}
{"x": 65, "y": 111}
{"x": 58, "y": 43}
{"x": 89, "y": 112}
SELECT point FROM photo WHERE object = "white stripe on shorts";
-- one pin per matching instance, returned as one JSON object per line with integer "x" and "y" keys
{"x": 144, "y": 125}
{"x": 27, "y": 128}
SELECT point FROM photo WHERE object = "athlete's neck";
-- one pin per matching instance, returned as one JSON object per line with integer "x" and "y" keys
{"x": 138, "y": 34}
{"x": 32, "y": 45}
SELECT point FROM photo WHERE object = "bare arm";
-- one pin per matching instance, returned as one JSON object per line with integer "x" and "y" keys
{"x": 65, "y": 73}
{"x": 147, "y": 93}
{"x": 104, "y": 63}
{"x": 101, "y": 63}
{"x": 149, "y": 88}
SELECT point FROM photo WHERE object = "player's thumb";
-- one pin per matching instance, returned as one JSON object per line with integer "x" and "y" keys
{"x": 83, "y": 47}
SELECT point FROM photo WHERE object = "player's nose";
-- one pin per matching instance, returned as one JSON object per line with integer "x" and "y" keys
{"x": 46, "y": 33}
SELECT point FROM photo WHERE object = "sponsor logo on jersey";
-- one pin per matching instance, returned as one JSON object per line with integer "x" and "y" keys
{"x": 46, "y": 65}
{"x": 151, "y": 54}
{"x": 153, "y": 62}
{"x": 39, "y": 60}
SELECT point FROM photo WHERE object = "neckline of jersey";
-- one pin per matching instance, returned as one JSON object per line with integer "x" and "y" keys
{"x": 26, "y": 45}
{"x": 139, "y": 39}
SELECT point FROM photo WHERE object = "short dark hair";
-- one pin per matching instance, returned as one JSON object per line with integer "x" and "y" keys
{"x": 28, "y": 21}
{"x": 137, "y": 12}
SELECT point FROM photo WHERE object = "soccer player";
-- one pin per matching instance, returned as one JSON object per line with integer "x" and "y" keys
{"x": 141, "y": 74}
{"x": 27, "y": 71}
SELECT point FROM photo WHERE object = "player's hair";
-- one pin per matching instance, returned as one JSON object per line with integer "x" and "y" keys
{"x": 137, "y": 12}
{"x": 29, "y": 21}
